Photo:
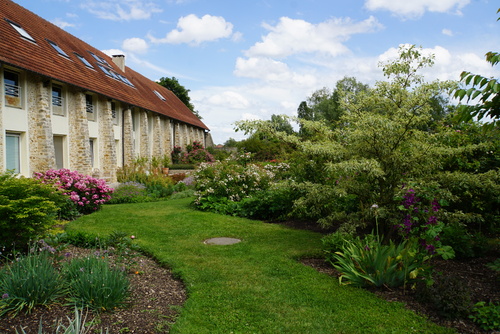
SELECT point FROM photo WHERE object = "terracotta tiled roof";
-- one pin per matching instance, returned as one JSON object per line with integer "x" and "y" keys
{"x": 40, "y": 57}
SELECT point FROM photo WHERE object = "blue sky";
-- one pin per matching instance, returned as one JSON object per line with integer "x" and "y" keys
{"x": 252, "y": 59}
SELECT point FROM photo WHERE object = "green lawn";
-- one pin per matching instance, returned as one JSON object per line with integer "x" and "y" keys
{"x": 255, "y": 286}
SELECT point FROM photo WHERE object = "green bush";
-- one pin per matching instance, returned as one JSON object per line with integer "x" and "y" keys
{"x": 80, "y": 239}
{"x": 449, "y": 295}
{"x": 464, "y": 243}
{"x": 486, "y": 316}
{"x": 365, "y": 262}
{"x": 30, "y": 281}
{"x": 274, "y": 203}
{"x": 335, "y": 242}
{"x": 128, "y": 192}
{"x": 28, "y": 209}
{"x": 94, "y": 284}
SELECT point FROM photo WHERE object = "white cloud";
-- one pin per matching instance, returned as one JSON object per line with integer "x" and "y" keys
{"x": 447, "y": 32}
{"x": 271, "y": 70}
{"x": 135, "y": 45}
{"x": 194, "y": 30}
{"x": 229, "y": 99}
{"x": 122, "y": 10}
{"x": 62, "y": 24}
{"x": 292, "y": 36}
{"x": 416, "y": 8}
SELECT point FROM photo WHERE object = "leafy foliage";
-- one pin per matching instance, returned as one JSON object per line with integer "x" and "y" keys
{"x": 367, "y": 262}
{"x": 487, "y": 316}
{"x": 28, "y": 209}
{"x": 449, "y": 295}
{"x": 29, "y": 281}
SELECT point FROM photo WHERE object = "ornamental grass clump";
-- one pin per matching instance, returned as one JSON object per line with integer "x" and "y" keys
{"x": 92, "y": 283}
{"x": 29, "y": 281}
{"x": 86, "y": 192}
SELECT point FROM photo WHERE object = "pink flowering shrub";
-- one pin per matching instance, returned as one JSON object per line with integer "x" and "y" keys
{"x": 86, "y": 192}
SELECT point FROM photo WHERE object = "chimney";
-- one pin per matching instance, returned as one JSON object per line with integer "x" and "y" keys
{"x": 119, "y": 60}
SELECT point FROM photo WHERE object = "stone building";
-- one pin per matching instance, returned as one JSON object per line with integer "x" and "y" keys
{"x": 65, "y": 104}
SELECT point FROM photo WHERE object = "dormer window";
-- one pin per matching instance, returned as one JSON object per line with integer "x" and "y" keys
{"x": 21, "y": 31}
{"x": 84, "y": 61}
{"x": 99, "y": 59}
{"x": 58, "y": 49}
{"x": 160, "y": 96}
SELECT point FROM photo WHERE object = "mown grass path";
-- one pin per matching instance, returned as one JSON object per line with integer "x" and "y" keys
{"x": 255, "y": 286}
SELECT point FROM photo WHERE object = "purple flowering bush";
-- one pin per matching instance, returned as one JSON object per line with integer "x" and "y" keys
{"x": 86, "y": 192}
{"x": 420, "y": 220}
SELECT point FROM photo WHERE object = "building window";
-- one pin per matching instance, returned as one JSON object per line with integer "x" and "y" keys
{"x": 13, "y": 152}
{"x": 21, "y": 31}
{"x": 92, "y": 151}
{"x": 58, "y": 49}
{"x": 12, "y": 89}
{"x": 90, "y": 107}
{"x": 114, "y": 113}
{"x": 57, "y": 100}
{"x": 159, "y": 96}
{"x": 85, "y": 61}
{"x": 59, "y": 151}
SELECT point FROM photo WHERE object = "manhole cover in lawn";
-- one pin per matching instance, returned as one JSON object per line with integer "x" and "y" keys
{"x": 221, "y": 241}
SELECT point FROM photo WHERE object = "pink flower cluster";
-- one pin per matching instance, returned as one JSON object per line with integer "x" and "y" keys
{"x": 86, "y": 192}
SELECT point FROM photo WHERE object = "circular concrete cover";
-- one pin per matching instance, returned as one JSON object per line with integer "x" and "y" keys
{"x": 221, "y": 241}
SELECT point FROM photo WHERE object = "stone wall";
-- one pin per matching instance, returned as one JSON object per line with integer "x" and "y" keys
{"x": 107, "y": 149}
{"x": 41, "y": 141}
{"x": 78, "y": 138}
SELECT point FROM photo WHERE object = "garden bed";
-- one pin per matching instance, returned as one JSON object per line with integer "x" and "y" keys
{"x": 155, "y": 301}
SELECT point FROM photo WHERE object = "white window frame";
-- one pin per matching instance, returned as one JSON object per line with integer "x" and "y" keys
{"x": 10, "y": 165}
{"x": 58, "y": 103}
{"x": 13, "y": 93}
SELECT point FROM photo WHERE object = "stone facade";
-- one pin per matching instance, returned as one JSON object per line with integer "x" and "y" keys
{"x": 90, "y": 143}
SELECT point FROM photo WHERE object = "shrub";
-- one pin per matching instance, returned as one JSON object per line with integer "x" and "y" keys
{"x": 28, "y": 209}
{"x": 94, "y": 284}
{"x": 486, "y": 316}
{"x": 222, "y": 183}
{"x": 335, "y": 242}
{"x": 367, "y": 262}
{"x": 449, "y": 295}
{"x": 80, "y": 239}
{"x": 420, "y": 220}
{"x": 85, "y": 191}
{"x": 30, "y": 281}
{"x": 128, "y": 192}
{"x": 274, "y": 203}
{"x": 196, "y": 154}
{"x": 464, "y": 243}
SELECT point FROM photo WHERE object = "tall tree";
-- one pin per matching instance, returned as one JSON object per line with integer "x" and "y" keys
{"x": 180, "y": 91}
{"x": 324, "y": 104}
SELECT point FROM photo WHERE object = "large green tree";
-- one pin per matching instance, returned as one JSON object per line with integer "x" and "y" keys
{"x": 180, "y": 91}
{"x": 381, "y": 141}
{"x": 325, "y": 104}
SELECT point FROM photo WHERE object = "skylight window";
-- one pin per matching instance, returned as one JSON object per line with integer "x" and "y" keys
{"x": 21, "y": 31}
{"x": 160, "y": 96}
{"x": 58, "y": 49}
{"x": 105, "y": 70}
{"x": 99, "y": 59}
{"x": 85, "y": 61}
